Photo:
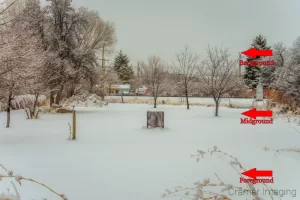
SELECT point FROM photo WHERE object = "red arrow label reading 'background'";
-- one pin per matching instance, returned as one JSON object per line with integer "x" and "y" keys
{"x": 253, "y": 52}
{"x": 253, "y": 113}
{"x": 253, "y": 173}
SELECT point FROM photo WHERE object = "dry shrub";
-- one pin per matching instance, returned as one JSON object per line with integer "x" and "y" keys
{"x": 9, "y": 174}
{"x": 280, "y": 98}
{"x": 175, "y": 103}
{"x": 207, "y": 188}
{"x": 45, "y": 103}
{"x": 168, "y": 101}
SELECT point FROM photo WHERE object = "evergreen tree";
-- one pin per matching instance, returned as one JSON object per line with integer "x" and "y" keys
{"x": 126, "y": 73}
{"x": 254, "y": 73}
{"x": 121, "y": 66}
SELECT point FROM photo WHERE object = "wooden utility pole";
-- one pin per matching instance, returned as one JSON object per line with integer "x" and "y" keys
{"x": 240, "y": 69}
{"x": 103, "y": 57}
{"x": 138, "y": 73}
{"x": 138, "y": 78}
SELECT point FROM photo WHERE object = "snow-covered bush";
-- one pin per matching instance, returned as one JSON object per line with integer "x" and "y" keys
{"x": 23, "y": 102}
{"x": 92, "y": 100}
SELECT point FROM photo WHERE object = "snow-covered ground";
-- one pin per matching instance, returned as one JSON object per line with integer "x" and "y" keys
{"x": 116, "y": 157}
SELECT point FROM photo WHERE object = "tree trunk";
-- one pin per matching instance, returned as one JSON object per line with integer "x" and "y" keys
{"x": 155, "y": 99}
{"x": 51, "y": 98}
{"x": 59, "y": 94}
{"x": 35, "y": 105}
{"x": 92, "y": 84}
{"x": 8, "y": 109}
{"x": 71, "y": 91}
{"x": 217, "y": 108}
{"x": 187, "y": 99}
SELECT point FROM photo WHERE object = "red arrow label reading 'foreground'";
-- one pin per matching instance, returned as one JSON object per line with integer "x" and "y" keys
{"x": 253, "y": 52}
{"x": 253, "y": 113}
{"x": 253, "y": 173}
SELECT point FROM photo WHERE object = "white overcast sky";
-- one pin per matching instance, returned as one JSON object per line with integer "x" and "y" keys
{"x": 164, "y": 27}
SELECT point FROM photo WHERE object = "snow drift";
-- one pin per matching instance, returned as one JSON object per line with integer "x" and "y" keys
{"x": 92, "y": 100}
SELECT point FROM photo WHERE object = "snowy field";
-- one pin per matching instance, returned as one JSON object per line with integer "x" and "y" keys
{"x": 116, "y": 157}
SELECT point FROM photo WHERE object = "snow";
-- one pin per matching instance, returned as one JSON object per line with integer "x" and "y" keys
{"x": 92, "y": 100}
{"x": 116, "y": 157}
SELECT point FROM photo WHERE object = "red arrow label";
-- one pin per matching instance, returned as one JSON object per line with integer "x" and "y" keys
{"x": 253, "y": 173}
{"x": 253, "y": 52}
{"x": 253, "y": 113}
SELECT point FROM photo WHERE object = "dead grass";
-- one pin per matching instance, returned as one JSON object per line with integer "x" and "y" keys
{"x": 170, "y": 102}
{"x": 204, "y": 187}
{"x": 266, "y": 148}
{"x": 45, "y": 103}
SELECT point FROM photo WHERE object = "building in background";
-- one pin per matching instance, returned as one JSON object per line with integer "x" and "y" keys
{"x": 119, "y": 89}
{"x": 143, "y": 91}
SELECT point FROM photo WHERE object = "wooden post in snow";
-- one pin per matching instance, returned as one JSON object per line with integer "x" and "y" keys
{"x": 74, "y": 124}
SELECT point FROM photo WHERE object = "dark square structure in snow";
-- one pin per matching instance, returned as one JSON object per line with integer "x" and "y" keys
{"x": 155, "y": 119}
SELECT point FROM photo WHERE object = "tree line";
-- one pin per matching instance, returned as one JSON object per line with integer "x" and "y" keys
{"x": 57, "y": 50}
{"x": 50, "y": 49}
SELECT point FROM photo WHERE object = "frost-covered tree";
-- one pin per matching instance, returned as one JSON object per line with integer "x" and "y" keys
{"x": 185, "y": 70}
{"x": 287, "y": 73}
{"x": 8, "y": 12}
{"x": 126, "y": 73}
{"x": 75, "y": 38}
{"x": 281, "y": 56}
{"x": 20, "y": 52}
{"x": 122, "y": 67}
{"x": 94, "y": 32}
{"x": 254, "y": 73}
{"x": 219, "y": 75}
{"x": 154, "y": 75}
{"x": 62, "y": 21}
{"x": 34, "y": 16}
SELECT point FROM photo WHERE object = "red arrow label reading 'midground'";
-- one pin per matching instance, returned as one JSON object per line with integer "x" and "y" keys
{"x": 253, "y": 173}
{"x": 253, "y": 113}
{"x": 253, "y": 52}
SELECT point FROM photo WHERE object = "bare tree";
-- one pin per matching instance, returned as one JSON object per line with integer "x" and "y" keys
{"x": 218, "y": 74}
{"x": 185, "y": 70}
{"x": 287, "y": 78}
{"x": 280, "y": 54}
{"x": 21, "y": 54}
{"x": 95, "y": 33}
{"x": 154, "y": 74}
{"x": 24, "y": 56}
{"x": 9, "y": 10}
